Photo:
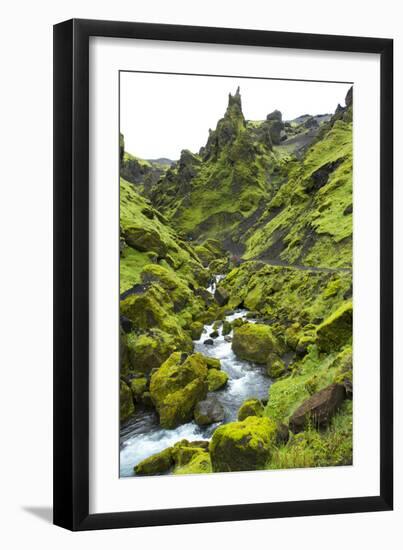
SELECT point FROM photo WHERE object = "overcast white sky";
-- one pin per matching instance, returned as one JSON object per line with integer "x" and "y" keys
{"x": 162, "y": 114}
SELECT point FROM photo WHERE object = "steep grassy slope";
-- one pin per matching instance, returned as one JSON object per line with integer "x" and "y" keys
{"x": 146, "y": 238}
{"x": 309, "y": 220}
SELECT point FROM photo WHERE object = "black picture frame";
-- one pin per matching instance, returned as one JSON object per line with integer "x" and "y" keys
{"x": 71, "y": 274}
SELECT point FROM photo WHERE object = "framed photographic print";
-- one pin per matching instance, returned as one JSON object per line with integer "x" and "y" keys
{"x": 222, "y": 203}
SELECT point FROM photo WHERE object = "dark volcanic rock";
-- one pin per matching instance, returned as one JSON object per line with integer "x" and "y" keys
{"x": 318, "y": 409}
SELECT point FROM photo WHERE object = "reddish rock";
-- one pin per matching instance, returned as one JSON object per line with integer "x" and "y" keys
{"x": 318, "y": 409}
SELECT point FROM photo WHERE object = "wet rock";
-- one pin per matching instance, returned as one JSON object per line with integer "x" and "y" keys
{"x": 214, "y": 334}
{"x": 318, "y": 409}
{"x": 208, "y": 412}
{"x": 209, "y": 342}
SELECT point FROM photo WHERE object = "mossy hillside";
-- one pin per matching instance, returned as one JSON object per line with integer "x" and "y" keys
{"x": 226, "y": 183}
{"x": 287, "y": 295}
{"x": 157, "y": 242}
{"x": 309, "y": 220}
{"x": 142, "y": 173}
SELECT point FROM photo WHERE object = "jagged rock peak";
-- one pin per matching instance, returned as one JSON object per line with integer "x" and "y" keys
{"x": 234, "y": 104}
{"x": 349, "y": 97}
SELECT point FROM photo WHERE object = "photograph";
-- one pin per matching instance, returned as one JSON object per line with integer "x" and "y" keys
{"x": 236, "y": 296}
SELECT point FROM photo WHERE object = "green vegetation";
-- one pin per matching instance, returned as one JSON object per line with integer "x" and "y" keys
{"x": 267, "y": 205}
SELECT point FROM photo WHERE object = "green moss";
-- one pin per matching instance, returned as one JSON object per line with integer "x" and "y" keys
{"x": 177, "y": 386}
{"x": 315, "y": 226}
{"x": 336, "y": 330}
{"x": 254, "y": 342}
{"x": 149, "y": 350}
{"x": 126, "y": 401}
{"x": 275, "y": 366}
{"x": 250, "y": 407}
{"x": 196, "y": 330}
{"x": 216, "y": 379}
{"x": 292, "y": 297}
{"x": 288, "y": 393}
{"x": 199, "y": 464}
{"x": 243, "y": 445}
{"x": 138, "y": 387}
{"x": 158, "y": 463}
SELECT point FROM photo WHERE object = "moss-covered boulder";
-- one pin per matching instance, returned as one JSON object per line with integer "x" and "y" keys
{"x": 145, "y": 240}
{"x": 245, "y": 445}
{"x": 275, "y": 366}
{"x": 199, "y": 464}
{"x": 336, "y": 330}
{"x": 216, "y": 379}
{"x": 226, "y": 328}
{"x": 138, "y": 387}
{"x": 250, "y": 407}
{"x": 158, "y": 463}
{"x": 177, "y": 386}
{"x": 179, "y": 293}
{"x": 212, "y": 362}
{"x": 221, "y": 296}
{"x": 155, "y": 309}
{"x": 126, "y": 401}
{"x": 196, "y": 330}
{"x": 149, "y": 350}
{"x": 184, "y": 451}
{"x": 208, "y": 412}
{"x": 254, "y": 342}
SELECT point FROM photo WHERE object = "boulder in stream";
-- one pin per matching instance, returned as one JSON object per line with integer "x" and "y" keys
{"x": 216, "y": 379}
{"x": 177, "y": 386}
{"x": 240, "y": 446}
{"x": 221, "y": 296}
{"x": 208, "y": 412}
{"x": 158, "y": 463}
{"x": 254, "y": 342}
